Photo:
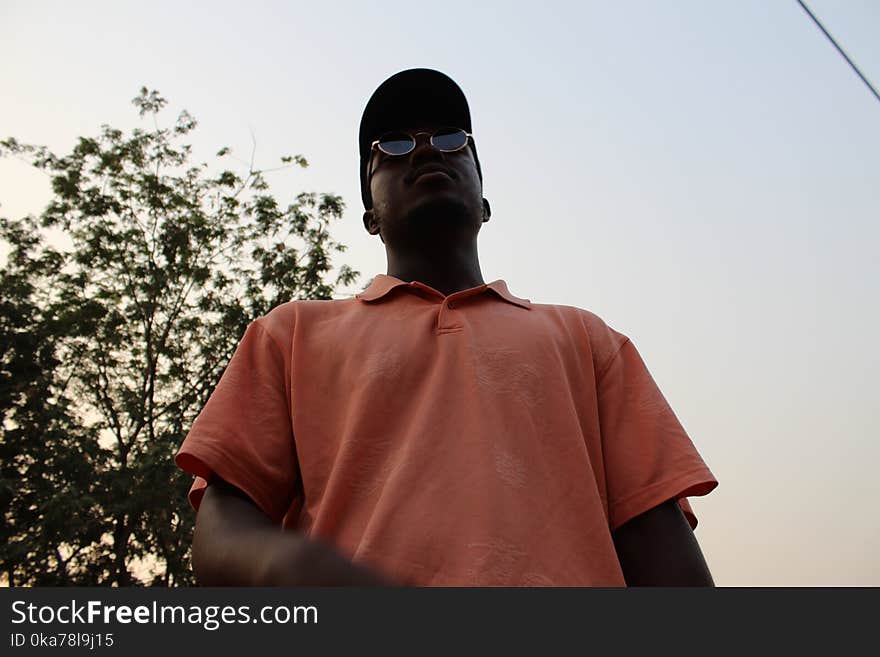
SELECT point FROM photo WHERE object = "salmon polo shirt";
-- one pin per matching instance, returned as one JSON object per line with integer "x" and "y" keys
{"x": 470, "y": 439}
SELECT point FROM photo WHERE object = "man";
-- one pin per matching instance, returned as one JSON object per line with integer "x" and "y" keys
{"x": 436, "y": 430}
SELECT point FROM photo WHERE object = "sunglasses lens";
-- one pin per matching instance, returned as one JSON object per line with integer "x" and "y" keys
{"x": 396, "y": 143}
{"x": 449, "y": 139}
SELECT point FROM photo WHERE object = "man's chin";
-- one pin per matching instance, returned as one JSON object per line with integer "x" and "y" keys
{"x": 438, "y": 213}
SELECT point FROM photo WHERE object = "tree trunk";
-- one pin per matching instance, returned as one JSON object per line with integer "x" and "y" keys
{"x": 120, "y": 550}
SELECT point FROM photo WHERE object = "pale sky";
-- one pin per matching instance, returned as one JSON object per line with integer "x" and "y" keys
{"x": 704, "y": 176}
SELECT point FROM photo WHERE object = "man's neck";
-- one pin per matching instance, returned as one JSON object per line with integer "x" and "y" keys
{"x": 448, "y": 271}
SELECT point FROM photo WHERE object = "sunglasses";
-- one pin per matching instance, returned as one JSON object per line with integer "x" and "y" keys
{"x": 446, "y": 140}
{"x": 398, "y": 142}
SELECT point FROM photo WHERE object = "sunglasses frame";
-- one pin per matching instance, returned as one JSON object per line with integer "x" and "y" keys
{"x": 415, "y": 142}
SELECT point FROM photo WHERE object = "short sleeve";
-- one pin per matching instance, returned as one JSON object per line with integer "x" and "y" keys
{"x": 648, "y": 457}
{"x": 243, "y": 434}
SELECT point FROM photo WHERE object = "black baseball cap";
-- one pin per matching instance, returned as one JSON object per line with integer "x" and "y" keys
{"x": 414, "y": 95}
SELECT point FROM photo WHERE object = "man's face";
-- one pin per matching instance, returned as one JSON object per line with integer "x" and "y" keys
{"x": 426, "y": 193}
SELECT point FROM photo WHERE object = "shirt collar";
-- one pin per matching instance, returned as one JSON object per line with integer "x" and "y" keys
{"x": 383, "y": 284}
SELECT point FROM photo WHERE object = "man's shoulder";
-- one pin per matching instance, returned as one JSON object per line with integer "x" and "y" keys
{"x": 602, "y": 339}
{"x": 283, "y": 318}
{"x": 591, "y": 321}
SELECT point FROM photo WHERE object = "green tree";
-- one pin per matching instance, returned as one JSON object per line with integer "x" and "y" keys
{"x": 110, "y": 348}
{"x": 46, "y": 457}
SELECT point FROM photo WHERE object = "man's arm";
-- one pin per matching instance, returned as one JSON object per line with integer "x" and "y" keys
{"x": 658, "y": 548}
{"x": 236, "y": 544}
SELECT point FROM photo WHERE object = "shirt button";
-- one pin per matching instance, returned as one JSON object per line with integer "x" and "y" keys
{"x": 451, "y": 305}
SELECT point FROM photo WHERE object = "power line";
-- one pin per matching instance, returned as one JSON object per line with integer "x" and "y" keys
{"x": 840, "y": 50}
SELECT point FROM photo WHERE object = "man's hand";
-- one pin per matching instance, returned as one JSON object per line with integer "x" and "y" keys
{"x": 658, "y": 548}
{"x": 236, "y": 544}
